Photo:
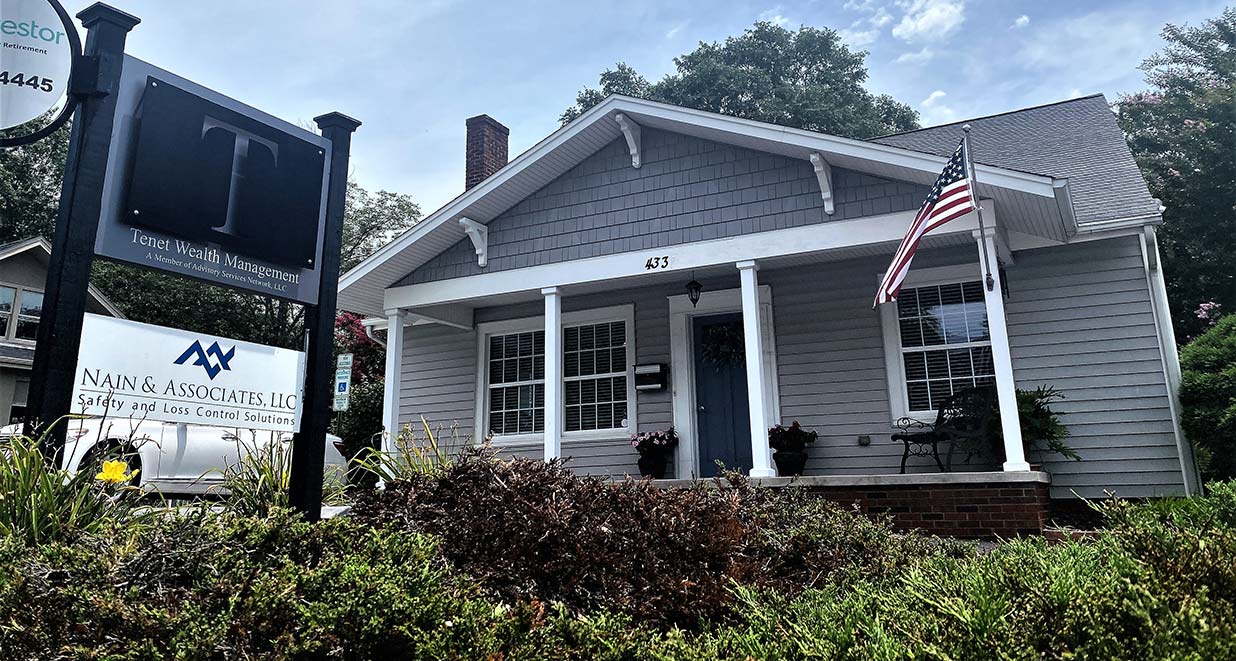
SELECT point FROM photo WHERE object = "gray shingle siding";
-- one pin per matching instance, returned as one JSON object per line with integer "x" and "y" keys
{"x": 687, "y": 190}
{"x": 1079, "y": 319}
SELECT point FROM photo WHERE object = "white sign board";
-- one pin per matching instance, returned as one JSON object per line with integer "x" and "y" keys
{"x": 127, "y": 370}
{"x": 35, "y": 60}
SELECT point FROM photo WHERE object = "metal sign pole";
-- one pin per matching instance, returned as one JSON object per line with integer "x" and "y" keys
{"x": 68, "y": 273}
{"x": 309, "y": 444}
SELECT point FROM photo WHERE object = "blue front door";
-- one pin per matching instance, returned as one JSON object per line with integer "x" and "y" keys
{"x": 722, "y": 419}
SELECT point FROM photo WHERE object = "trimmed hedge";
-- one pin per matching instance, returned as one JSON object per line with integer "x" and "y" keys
{"x": 535, "y": 530}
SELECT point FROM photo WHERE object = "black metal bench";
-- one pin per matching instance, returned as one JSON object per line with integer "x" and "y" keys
{"x": 963, "y": 421}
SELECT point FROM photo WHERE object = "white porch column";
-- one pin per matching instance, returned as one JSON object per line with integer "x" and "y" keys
{"x": 1006, "y": 390}
{"x": 394, "y": 373}
{"x": 553, "y": 373}
{"x": 761, "y": 455}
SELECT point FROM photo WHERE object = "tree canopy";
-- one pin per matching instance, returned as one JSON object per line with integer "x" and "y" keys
{"x": 806, "y": 79}
{"x": 1183, "y": 133}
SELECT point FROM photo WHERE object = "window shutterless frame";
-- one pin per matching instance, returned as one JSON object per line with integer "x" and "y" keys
{"x": 898, "y": 397}
{"x": 486, "y": 330}
{"x": 10, "y": 319}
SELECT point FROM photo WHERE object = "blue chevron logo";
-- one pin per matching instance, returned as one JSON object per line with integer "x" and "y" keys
{"x": 203, "y": 358}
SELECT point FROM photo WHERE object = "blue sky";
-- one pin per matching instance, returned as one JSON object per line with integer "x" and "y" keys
{"x": 412, "y": 71}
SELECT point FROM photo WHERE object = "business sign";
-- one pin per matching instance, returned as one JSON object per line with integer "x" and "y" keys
{"x": 201, "y": 185}
{"x": 36, "y": 56}
{"x": 128, "y": 370}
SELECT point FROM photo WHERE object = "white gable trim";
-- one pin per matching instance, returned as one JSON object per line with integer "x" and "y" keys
{"x": 360, "y": 287}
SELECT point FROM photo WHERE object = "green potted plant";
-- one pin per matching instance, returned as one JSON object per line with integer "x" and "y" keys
{"x": 1041, "y": 429}
{"x": 655, "y": 449}
{"x": 790, "y": 447}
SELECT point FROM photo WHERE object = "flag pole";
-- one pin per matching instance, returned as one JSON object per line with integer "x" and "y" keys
{"x": 978, "y": 208}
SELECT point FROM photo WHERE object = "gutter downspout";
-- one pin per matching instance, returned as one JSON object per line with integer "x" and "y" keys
{"x": 1170, "y": 355}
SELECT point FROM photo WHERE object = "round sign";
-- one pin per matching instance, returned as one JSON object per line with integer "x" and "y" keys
{"x": 36, "y": 57}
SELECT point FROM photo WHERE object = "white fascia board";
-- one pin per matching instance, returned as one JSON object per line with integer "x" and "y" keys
{"x": 812, "y": 141}
{"x": 680, "y": 258}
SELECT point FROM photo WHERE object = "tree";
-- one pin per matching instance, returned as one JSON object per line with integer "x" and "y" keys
{"x": 1208, "y": 399}
{"x": 1183, "y": 134}
{"x": 30, "y": 187}
{"x": 806, "y": 79}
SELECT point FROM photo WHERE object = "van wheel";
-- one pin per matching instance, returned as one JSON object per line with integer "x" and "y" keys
{"x": 112, "y": 450}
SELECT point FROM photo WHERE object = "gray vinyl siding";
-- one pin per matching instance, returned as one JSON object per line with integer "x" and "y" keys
{"x": 1080, "y": 319}
{"x": 830, "y": 361}
{"x": 686, "y": 190}
{"x": 438, "y": 381}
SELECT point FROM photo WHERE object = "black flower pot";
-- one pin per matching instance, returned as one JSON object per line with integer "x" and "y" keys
{"x": 790, "y": 462}
{"x": 653, "y": 463}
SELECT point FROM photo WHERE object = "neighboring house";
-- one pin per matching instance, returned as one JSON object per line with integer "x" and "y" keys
{"x": 523, "y": 307}
{"x": 23, "y": 272}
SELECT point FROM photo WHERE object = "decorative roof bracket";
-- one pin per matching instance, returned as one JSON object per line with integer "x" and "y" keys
{"x": 824, "y": 174}
{"x": 632, "y": 132}
{"x": 479, "y": 234}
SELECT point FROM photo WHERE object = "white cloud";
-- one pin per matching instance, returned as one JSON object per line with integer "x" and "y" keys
{"x": 675, "y": 30}
{"x": 866, "y": 30}
{"x": 934, "y": 111}
{"x": 774, "y": 16}
{"x": 858, "y": 37}
{"x": 1020, "y": 22}
{"x": 929, "y": 20}
{"x": 933, "y": 98}
{"x": 916, "y": 57}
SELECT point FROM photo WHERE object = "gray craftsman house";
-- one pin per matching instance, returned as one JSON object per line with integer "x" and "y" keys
{"x": 548, "y": 307}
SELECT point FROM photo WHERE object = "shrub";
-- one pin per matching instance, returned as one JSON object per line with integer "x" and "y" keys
{"x": 532, "y": 530}
{"x": 1208, "y": 398}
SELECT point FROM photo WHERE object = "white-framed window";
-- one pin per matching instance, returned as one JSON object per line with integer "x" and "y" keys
{"x": 516, "y": 383}
{"x": 598, "y": 387}
{"x": 936, "y": 340}
{"x": 594, "y": 369}
{"x": 21, "y": 393}
{"x": 20, "y": 310}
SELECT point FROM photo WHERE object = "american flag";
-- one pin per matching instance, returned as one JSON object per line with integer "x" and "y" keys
{"x": 950, "y": 198}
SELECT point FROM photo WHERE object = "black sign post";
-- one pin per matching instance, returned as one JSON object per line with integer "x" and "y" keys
{"x": 68, "y": 272}
{"x": 309, "y": 445}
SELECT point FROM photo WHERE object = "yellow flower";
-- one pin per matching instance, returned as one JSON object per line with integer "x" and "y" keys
{"x": 115, "y": 472}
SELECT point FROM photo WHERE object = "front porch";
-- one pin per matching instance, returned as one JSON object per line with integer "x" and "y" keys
{"x": 822, "y": 355}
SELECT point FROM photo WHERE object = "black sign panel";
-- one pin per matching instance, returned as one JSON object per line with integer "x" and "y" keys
{"x": 206, "y": 173}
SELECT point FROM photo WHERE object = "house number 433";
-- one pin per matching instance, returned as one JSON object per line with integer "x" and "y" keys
{"x": 657, "y": 263}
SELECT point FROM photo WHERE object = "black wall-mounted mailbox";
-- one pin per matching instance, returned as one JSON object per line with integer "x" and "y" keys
{"x": 651, "y": 377}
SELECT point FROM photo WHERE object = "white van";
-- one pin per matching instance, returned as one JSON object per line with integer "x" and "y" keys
{"x": 175, "y": 458}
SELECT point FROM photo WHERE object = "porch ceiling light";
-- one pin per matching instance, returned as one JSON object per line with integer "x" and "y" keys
{"x": 693, "y": 290}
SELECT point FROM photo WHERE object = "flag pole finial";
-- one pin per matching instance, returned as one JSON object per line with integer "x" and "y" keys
{"x": 965, "y": 127}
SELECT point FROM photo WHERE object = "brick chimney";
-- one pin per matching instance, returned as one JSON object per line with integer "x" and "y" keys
{"x": 486, "y": 151}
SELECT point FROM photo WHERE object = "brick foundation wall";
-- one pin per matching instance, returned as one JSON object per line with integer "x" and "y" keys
{"x": 981, "y": 511}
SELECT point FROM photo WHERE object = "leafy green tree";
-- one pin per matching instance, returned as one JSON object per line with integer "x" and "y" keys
{"x": 30, "y": 187}
{"x": 1208, "y": 398}
{"x": 1183, "y": 134}
{"x": 807, "y": 79}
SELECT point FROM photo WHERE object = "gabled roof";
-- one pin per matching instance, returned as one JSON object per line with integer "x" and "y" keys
{"x": 1032, "y": 202}
{"x": 1077, "y": 139}
{"x": 15, "y": 248}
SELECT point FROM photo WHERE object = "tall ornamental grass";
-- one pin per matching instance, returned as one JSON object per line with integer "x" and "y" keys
{"x": 39, "y": 504}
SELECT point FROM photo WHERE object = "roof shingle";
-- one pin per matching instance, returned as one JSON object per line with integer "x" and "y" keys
{"x": 1076, "y": 139}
